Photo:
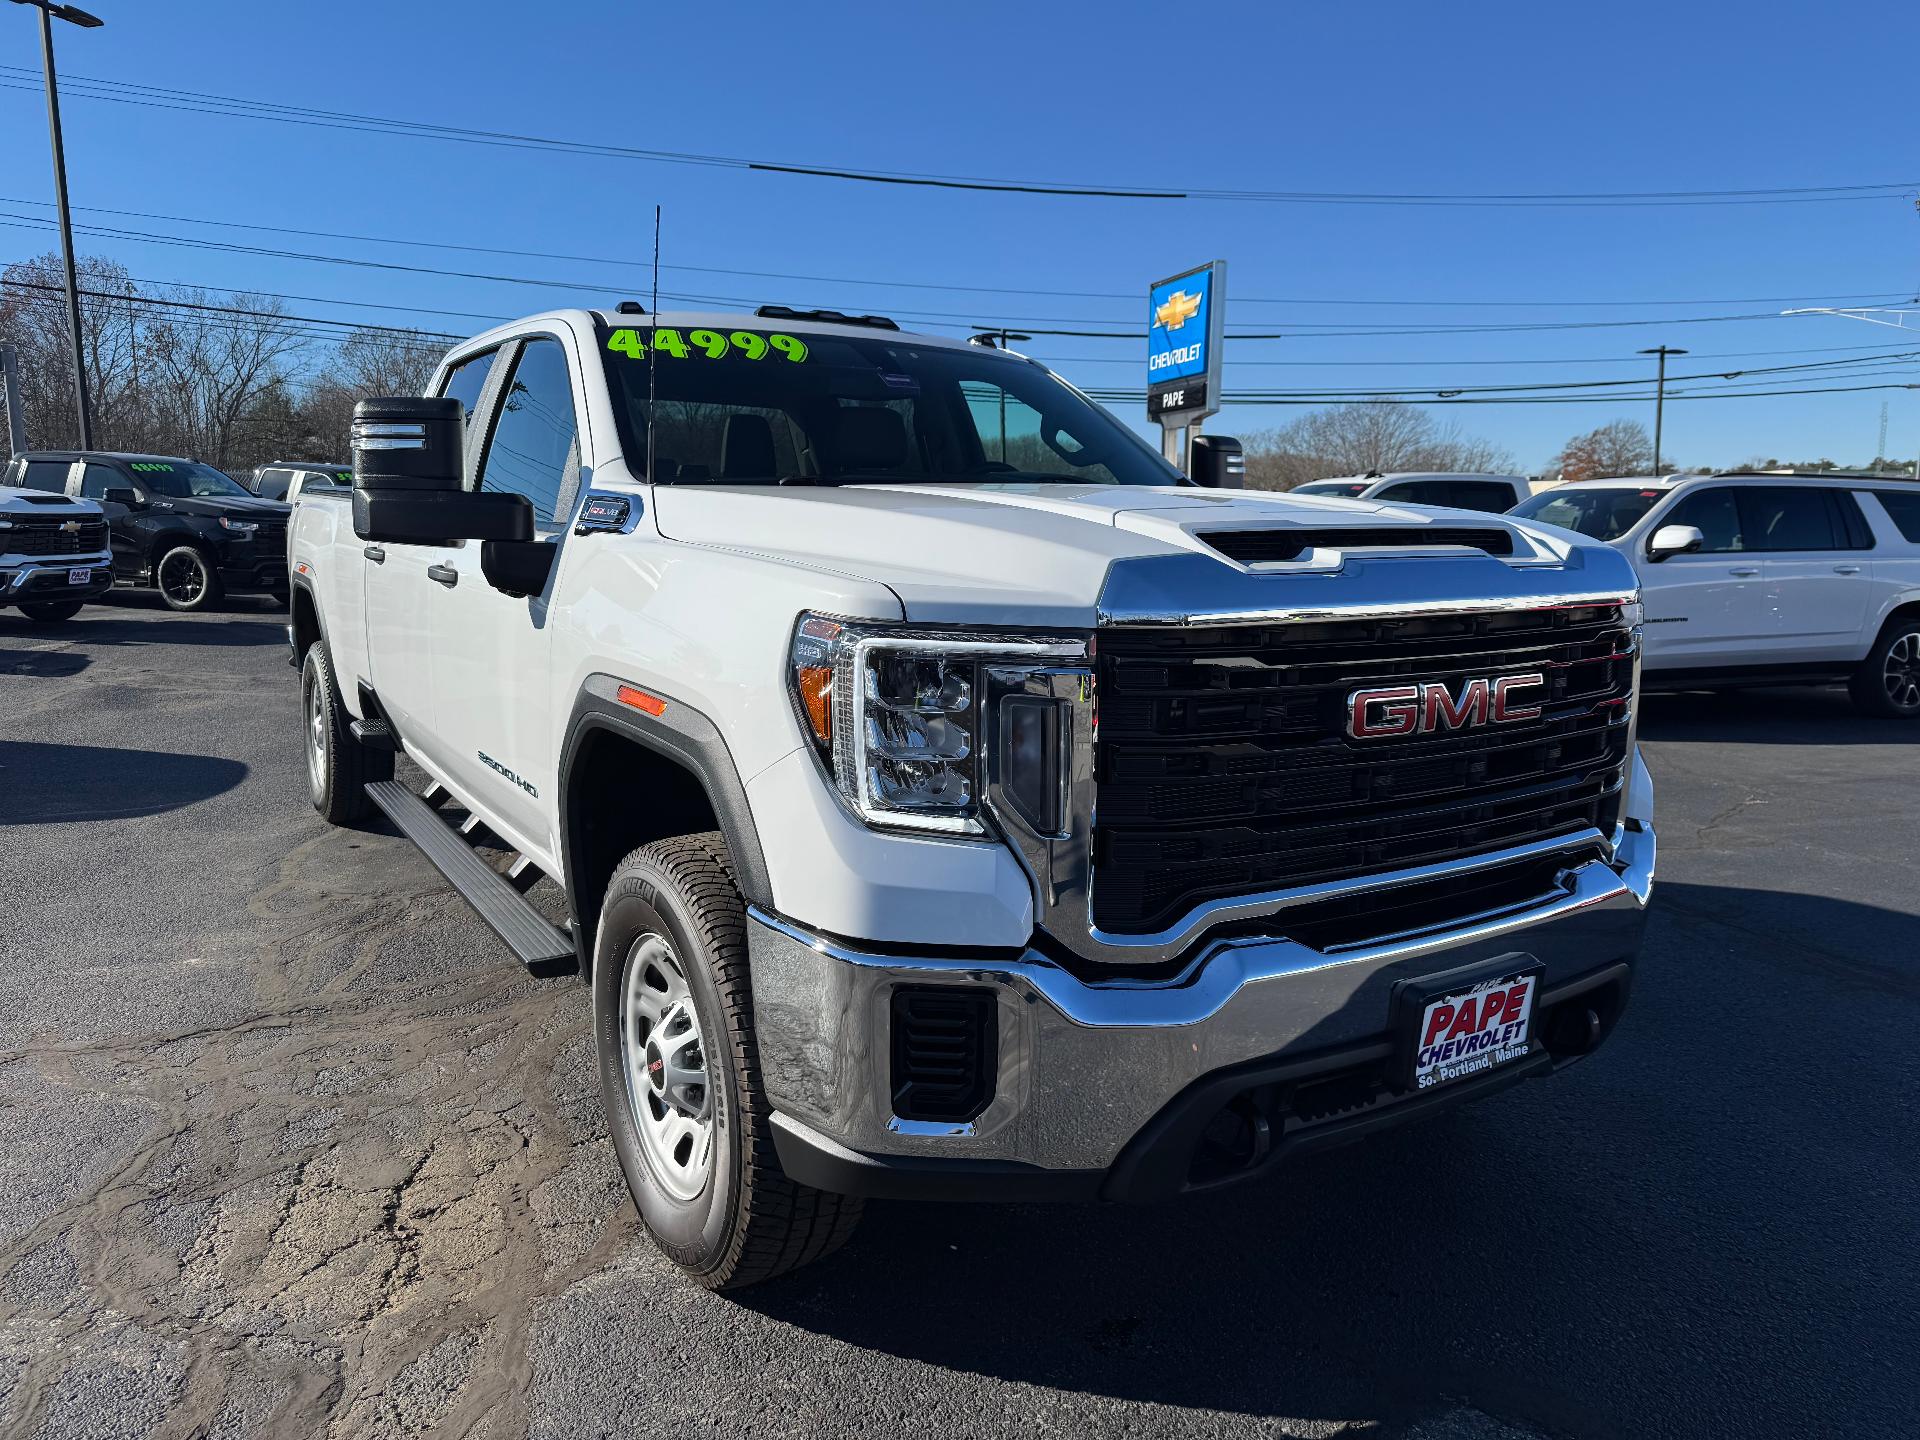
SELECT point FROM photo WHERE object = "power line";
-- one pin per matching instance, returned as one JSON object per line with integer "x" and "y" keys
{"x": 1113, "y": 397}
{"x": 160, "y": 97}
{"x": 1034, "y": 325}
{"x": 1887, "y": 295}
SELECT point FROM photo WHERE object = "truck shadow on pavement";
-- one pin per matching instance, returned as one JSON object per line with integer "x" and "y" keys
{"x": 43, "y": 784}
{"x": 1605, "y": 1252}
{"x": 1807, "y": 716}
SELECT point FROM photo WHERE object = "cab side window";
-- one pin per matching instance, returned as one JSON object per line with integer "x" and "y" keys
{"x": 1786, "y": 517}
{"x": 96, "y": 480}
{"x": 466, "y": 380}
{"x": 1716, "y": 515}
{"x": 535, "y": 448}
{"x": 1485, "y": 495}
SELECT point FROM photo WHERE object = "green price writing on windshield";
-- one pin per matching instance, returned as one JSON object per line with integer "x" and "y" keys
{"x": 710, "y": 343}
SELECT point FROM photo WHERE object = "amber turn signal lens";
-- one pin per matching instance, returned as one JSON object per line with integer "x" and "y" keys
{"x": 816, "y": 695}
{"x": 641, "y": 700}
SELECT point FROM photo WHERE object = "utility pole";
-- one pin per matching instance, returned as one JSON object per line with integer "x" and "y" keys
{"x": 10, "y": 389}
{"x": 1660, "y": 399}
{"x": 1880, "y": 449}
{"x": 49, "y": 11}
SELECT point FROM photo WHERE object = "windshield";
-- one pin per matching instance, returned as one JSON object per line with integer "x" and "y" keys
{"x": 183, "y": 479}
{"x": 1604, "y": 514}
{"x": 761, "y": 406}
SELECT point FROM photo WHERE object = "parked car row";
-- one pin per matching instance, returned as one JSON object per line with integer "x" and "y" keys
{"x": 1493, "y": 493}
{"x": 178, "y": 526}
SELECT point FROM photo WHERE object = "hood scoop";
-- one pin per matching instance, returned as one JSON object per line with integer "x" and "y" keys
{"x": 1265, "y": 547}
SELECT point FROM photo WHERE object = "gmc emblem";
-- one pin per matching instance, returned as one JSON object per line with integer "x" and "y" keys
{"x": 1423, "y": 709}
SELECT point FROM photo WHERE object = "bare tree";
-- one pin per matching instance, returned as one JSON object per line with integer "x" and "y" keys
{"x": 1620, "y": 447}
{"x": 1353, "y": 439}
{"x": 33, "y": 317}
{"x": 368, "y": 362}
{"x": 214, "y": 359}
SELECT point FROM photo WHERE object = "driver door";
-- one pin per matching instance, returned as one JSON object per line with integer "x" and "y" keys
{"x": 493, "y": 705}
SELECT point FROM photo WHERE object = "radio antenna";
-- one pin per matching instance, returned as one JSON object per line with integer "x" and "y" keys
{"x": 653, "y": 329}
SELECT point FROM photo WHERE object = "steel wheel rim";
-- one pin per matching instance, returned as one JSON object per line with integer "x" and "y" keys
{"x": 664, "y": 1059}
{"x": 316, "y": 736}
{"x": 183, "y": 578}
{"x": 1901, "y": 672}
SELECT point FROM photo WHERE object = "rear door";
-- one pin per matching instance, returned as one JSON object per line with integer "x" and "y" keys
{"x": 399, "y": 599}
{"x": 1707, "y": 609}
{"x": 1816, "y": 568}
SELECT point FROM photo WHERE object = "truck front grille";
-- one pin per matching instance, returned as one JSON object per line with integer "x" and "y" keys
{"x": 1224, "y": 768}
{"x": 48, "y": 537}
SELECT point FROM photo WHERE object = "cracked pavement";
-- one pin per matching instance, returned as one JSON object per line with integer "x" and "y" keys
{"x": 289, "y": 1145}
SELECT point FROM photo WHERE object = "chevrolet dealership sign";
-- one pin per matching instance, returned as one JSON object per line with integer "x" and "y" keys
{"x": 1184, "y": 319}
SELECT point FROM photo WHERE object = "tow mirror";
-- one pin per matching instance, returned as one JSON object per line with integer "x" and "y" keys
{"x": 1218, "y": 462}
{"x": 122, "y": 495}
{"x": 407, "y": 477}
{"x": 1671, "y": 540}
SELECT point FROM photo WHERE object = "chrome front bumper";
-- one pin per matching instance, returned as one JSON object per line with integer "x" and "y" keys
{"x": 1085, "y": 1065}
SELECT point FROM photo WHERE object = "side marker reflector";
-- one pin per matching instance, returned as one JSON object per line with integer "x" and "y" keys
{"x": 641, "y": 700}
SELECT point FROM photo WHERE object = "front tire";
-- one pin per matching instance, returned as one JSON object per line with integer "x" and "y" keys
{"x": 186, "y": 579}
{"x": 52, "y": 610}
{"x": 679, "y": 1070}
{"x": 339, "y": 767}
{"x": 1888, "y": 680}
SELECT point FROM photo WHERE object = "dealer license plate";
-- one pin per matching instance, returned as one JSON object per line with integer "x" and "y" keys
{"x": 79, "y": 577}
{"x": 1474, "y": 1030}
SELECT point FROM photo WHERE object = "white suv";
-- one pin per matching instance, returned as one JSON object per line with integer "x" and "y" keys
{"x": 1492, "y": 493}
{"x": 1766, "y": 579}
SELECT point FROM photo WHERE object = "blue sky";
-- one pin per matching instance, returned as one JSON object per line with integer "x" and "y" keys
{"x": 1376, "y": 98}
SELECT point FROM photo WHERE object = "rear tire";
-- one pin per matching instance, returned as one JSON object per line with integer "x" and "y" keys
{"x": 52, "y": 610}
{"x": 339, "y": 767}
{"x": 1887, "y": 683}
{"x": 679, "y": 1070}
{"x": 186, "y": 579}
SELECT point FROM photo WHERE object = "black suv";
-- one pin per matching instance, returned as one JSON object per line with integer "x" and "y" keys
{"x": 282, "y": 479}
{"x": 178, "y": 525}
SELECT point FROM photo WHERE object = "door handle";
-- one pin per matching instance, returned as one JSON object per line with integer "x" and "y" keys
{"x": 444, "y": 574}
{"x": 374, "y": 553}
{"x": 1744, "y": 572}
{"x": 1846, "y": 569}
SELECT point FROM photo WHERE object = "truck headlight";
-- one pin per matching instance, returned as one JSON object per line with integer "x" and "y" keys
{"x": 241, "y": 528}
{"x": 898, "y": 714}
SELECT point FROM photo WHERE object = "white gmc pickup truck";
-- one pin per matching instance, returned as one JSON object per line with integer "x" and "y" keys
{"x": 949, "y": 798}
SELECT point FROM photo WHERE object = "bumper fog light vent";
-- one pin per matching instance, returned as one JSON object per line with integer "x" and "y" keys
{"x": 945, "y": 1052}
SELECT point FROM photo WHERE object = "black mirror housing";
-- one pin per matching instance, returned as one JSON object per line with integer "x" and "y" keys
{"x": 408, "y": 443}
{"x": 121, "y": 495}
{"x": 517, "y": 568}
{"x": 1218, "y": 462}
{"x": 430, "y": 517}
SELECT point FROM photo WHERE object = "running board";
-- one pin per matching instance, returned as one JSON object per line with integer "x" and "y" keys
{"x": 542, "y": 948}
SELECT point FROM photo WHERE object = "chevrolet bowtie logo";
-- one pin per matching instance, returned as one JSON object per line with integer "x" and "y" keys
{"x": 71, "y": 527}
{"x": 1176, "y": 310}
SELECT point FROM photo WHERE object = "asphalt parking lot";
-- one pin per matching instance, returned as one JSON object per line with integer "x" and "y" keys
{"x": 290, "y": 1146}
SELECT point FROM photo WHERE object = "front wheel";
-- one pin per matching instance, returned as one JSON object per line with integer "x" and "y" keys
{"x": 186, "y": 579}
{"x": 673, "y": 1025}
{"x": 1888, "y": 680}
{"x": 52, "y": 610}
{"x": 339, "y": 767}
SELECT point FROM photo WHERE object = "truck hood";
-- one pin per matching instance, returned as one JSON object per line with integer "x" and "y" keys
{"x": 1040, "y": 554}
{"x": 234, "y": 507}
{"x": 43, "y": 503}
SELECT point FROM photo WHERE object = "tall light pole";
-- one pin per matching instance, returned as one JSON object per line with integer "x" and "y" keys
{"x": 49, "y": 12}
{"x": 1660, "y": 398}
{"x": 1873, "y": 315}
